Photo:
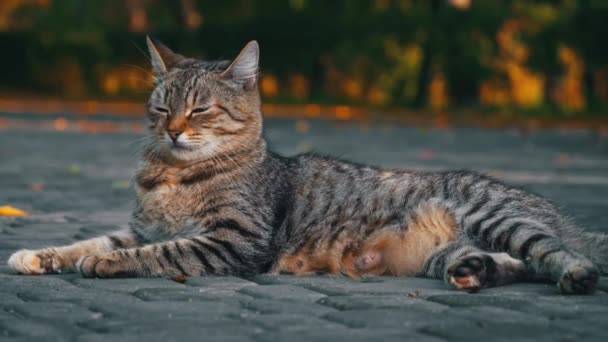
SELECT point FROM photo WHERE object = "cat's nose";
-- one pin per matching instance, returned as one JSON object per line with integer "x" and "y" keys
{"x": 174, "y": 133}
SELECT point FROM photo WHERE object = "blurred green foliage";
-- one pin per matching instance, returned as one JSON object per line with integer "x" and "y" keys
{"x": 438, "y": 53}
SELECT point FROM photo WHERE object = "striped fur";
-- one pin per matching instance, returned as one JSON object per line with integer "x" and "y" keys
{"x": 211, "y": 199}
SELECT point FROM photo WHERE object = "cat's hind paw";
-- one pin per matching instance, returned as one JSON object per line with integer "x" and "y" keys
{"x": 471, "y": 272}
{"x": 578, "y": 280}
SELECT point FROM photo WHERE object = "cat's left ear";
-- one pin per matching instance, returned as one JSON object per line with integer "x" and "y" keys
{"x": 162, "y": 57}
{"x": 244, "y": 68}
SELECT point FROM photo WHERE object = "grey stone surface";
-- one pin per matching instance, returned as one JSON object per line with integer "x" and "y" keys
{"x": 85, "y": 180}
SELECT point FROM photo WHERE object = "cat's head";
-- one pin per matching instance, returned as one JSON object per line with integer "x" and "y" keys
{"x": 203, "y": 109}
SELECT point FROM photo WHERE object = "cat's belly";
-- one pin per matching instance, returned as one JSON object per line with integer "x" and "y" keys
{"x": 397, "y": 251}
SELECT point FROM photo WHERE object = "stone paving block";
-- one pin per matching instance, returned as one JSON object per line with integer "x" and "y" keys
{"x": 290, "y": 322}
{"x": 493, "y": 314}
{"x": 398, "y": 302}
{"x": 162, "y": 336}
{"x": 114, "y": 217}
{"x": 17, "y": 327}
{"x": 74, "y": 295}
{"x": 206, "y": 311}
{"x": 477, "y": 299}
{"x": 274, "y": 306}
{"x": 37, "y": 218}
{"x": 523, "y": 289}
{"x": 603, "y": 284}
{"x": 287, "y": 292}
{"x": 569, "y": 307}
{"x": 21, "y": 282}
{"x": 408, "y": 319}
{"x": 8, "y": 298}
{"x": 587, "y": 326}
{"x": 5, "y": 312}
{"x": 395, "y": 286}
{"x": 203, "y": 328}
{"x": 89, "y": 230}
{"x": 348, "y": 335}
{"x": 463, "y": 330}
{"x": 12, "y": 245}
{"x": 58, "y": 289}
{"x": 30, "y": 339}
{"x": 269, "y": 279}
{"x": 4, "y": 255}
{"x": 227, "y": 282}
{"x": 127, "y": 284}
{"x": 190, "y": 294}
{"x": 45, "y": 228}
{"x": 66, "y": 314}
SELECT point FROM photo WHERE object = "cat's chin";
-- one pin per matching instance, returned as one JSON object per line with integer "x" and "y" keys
{"x": 185, "y": 153}
{"x": 191, "y": 152}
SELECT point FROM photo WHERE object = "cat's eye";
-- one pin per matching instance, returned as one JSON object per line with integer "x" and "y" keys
{"x": 161, "y": 110}
{"x": 199, "y": 110}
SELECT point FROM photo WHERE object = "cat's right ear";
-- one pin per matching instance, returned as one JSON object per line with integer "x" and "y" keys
{"x": 161, "y": 56}
{"x": 244, "y": 68}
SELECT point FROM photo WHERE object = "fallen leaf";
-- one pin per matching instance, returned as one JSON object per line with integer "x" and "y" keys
{"x": 304, "y": 147}
{"x": 7, "y": 210}
{"x": 180, "y": 279}
{"x": 73, "y": 169}
{"x": 124, "y": 184}
{"x": 564, "y": 159}
{"x": 426, "y": 154}
{"x": 413, "y": 294}
{"x": 61, "y": 124}
{"x": 302, "y": 126}
{"x": 35, "y": 186}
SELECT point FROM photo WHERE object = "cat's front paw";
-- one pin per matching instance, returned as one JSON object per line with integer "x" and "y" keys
{"x": 104, "y": 265}
{"x": 37, "y": 262}
{"x": 25, "y": 261}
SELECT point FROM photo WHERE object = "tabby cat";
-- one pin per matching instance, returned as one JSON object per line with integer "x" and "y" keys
{"x": 212, "y": 200}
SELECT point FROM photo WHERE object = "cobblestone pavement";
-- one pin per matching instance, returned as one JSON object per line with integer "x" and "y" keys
{"x": 76, "y": 186}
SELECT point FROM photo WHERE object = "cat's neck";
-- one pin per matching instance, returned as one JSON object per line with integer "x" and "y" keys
{"x": 161, "y": 169}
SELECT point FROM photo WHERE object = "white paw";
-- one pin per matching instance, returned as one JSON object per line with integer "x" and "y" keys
{"x": 26, "y": 261}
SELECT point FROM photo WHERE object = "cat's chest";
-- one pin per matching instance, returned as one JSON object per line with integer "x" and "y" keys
{"x": 170, "y": 203}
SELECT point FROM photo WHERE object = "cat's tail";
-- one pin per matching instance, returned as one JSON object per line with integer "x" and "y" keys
{"x": 593, "y": 245}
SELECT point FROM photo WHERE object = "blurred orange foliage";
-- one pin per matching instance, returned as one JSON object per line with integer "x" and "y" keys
{"x": 269, "y": 85}
{"x": 569, "y": 92}
{"x": 438, "y": 94}
{"x": 521, "y": 86}
{"x": 299, "y": 86}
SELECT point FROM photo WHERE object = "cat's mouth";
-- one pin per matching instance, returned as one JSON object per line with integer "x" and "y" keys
{"x": 179, "y": 146}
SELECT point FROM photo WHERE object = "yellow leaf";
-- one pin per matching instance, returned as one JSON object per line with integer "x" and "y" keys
{"x": 123, "y": 184}
{"x": 73, "y": 169}
{"x": 7, "y": 210}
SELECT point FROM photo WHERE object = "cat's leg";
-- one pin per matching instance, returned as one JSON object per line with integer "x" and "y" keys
{"x": 63, "y": 259}
{"x": 547, "y": 257}
{"x": 545, "y": 254}
{"x": 202, "y": 255}
{"x": 466, "y": 267}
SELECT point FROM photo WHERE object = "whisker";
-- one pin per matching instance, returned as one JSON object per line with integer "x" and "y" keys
{"x": 142, "y": 52}
{"x": 139, "y": 68}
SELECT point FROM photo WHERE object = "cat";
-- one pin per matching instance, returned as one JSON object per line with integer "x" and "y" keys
{"x": 213, "y": 200}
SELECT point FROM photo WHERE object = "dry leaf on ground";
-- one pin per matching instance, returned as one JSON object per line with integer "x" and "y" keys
{"x": 7, "y": 210}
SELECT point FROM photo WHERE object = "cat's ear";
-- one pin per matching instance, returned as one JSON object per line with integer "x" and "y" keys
{"x": 244, "y": 68}
{"x": 162, "y": 57}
